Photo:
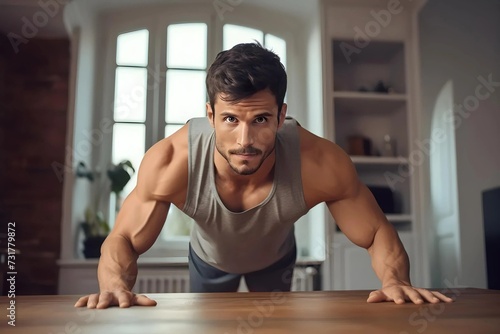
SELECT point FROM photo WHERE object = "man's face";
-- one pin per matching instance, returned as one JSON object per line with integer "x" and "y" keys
{"x": 245, "y": 132}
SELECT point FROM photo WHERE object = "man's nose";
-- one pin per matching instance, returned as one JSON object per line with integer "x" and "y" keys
{"x": 245, "y": 137}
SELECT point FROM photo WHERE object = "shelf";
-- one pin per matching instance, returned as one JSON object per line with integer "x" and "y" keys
{"x": 401, "y": 222}
{"x": 399, "y": 218}
{"x": 378, "y": 52}
{"x": 368, "y": 102}
{"x": 369, "y": 96}
{"x": 368, "y": 160}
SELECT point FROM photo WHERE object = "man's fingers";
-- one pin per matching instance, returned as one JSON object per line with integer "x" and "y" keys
{"x": 376, "y": 297}
{"x": 433, "y": 296}
{"x": 82, "y": 301}
{"x": 414, "y": 295}
{"x": 442, "y": 297}
{"x": 142, "y": 300}
{"x": 93, "y": 299}
{"x": 125, "y": 298}
{"x": 105, "y": 300}
{"x": 399, "y": 294}
{"x": 428, "y": 296}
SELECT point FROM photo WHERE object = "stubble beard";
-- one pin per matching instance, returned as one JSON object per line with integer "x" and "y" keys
{"x": 248, "y": 150}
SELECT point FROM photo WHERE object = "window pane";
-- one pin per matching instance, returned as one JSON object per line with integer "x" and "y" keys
{"x": 177, "y": 224}
{"x": 278, "y": 46}
{"x": 234, "y": 34}
{"x": 171, "y": 128}
{"x": 187, "y": 45}
{"x": 129, "y": 144}
{"x": 186, "y": 95}
{"x": 132, "y": 48}
{"x": 130, "y": 94}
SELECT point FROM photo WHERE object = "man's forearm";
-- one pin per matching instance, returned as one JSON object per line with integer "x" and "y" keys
{"x": 389, "y": 258}
{"x": 117, "y": 268}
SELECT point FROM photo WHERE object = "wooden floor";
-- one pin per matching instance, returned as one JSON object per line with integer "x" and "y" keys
{"x": 474, "y": 311}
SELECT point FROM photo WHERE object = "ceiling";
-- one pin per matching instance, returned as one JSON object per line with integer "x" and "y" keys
{"x": 16, "y": 16}
{"x": 297, "y": 8}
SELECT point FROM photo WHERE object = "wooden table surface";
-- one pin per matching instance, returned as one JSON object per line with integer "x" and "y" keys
{"x": 474, "y": 311}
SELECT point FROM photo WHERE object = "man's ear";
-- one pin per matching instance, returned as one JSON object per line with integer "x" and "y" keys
{"x": 282, "y": 114}
{"x": 210, "y": 114}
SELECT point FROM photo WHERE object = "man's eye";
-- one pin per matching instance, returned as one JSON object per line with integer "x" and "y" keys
{"x": 230, "y": 119}
{"x": 261, "y": 120}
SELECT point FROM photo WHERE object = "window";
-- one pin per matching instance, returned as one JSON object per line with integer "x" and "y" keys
{"x": 129, "y": 112}
{"x": 143, "y": 115}
{"x": 186, "y": 71}
{"x": 234, "y": 34}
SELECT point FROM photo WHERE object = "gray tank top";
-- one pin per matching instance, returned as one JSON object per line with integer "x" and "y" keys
{"x": 242, "y": 242}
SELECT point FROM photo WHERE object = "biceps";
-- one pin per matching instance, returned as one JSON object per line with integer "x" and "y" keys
{"x": 358, "y": 216}
{"x": 140, "y": 221}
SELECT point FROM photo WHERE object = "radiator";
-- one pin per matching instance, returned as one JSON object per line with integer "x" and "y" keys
{"x": 303, "y": 279}
{"x": 163, "y": 283}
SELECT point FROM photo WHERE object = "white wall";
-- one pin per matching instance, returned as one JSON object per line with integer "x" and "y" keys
{"x": 312, "y": 41}
{"x": 80, "y": 143}
{"x": 460, "y": 41}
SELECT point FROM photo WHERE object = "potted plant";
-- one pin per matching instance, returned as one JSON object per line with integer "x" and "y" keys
{"x": 95, "y": 227}
{"x": 120, "y": 175}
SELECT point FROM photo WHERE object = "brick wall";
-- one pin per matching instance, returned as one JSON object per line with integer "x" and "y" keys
{"x": 33, "y": 112}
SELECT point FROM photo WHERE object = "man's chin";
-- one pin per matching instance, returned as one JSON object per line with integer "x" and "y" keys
{"x": 248, "y": 172}
{"x": 244, "y": 170}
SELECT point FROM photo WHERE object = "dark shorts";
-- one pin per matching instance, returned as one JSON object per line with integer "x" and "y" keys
{"x": 206, "y": 278}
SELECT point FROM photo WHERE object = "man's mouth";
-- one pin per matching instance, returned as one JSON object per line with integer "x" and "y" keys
{"x": 247, "y": 152}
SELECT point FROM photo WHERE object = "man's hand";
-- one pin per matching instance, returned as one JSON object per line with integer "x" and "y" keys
{"x": 121, "y": 298}
{"x": 401, "y": 293}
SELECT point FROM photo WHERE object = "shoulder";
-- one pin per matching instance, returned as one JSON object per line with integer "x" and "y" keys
{"x": 163, "y": 173}
{"x": 328, "y": 173}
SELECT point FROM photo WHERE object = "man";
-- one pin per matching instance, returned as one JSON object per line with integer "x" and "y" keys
{"x": 245, "y": 174}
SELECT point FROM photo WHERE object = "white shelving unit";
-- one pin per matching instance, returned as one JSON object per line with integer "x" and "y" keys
{"x": 373, "y": 114}
{"x": 359, "y": 105}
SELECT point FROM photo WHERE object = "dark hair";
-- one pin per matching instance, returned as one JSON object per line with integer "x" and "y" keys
{"x": 245, "y": 70}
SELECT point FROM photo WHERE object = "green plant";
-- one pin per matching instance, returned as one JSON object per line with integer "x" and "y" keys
{"x": 95, "y": 224}
{"x": 119, "y": 175}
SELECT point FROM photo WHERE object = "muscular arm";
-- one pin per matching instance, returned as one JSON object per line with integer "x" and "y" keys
{"x": 162, "y": 180}
{"x": 138, "y": 224}
{"x": 332, "y": 179}
{"x": 358, "y": 215}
